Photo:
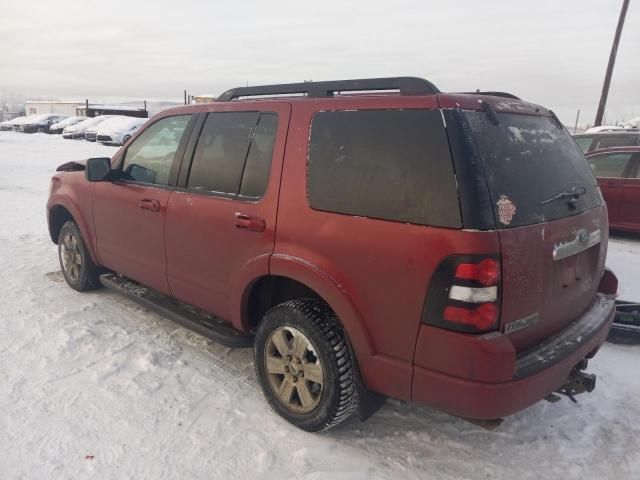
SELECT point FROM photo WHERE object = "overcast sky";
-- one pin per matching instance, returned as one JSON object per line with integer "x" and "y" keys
{"x": 549, "y": 52}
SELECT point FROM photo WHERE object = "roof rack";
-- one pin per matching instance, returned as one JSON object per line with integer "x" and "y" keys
{"x": 494, "y": 94}
{"x": 406, "y": 86}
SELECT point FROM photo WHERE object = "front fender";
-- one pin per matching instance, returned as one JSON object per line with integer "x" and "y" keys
{"x": 81, "y": 215}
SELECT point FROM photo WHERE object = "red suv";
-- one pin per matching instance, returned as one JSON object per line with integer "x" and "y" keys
{"x": 618, "y": 173}
{"x": 368, "y": 238}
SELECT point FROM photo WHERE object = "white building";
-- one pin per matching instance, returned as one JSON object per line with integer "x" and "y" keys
{"x": 67, "y": 108}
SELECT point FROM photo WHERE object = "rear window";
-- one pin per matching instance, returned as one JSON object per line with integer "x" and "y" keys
{"x": 220, "y": 155}
{"x": 527, "y": 161}
{"x": 233, "y": 154}
{"x": 386, "y": 164}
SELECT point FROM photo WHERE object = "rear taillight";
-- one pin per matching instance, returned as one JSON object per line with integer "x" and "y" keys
{"x": 464, "y": 294}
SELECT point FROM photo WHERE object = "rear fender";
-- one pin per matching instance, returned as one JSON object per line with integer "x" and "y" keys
{"x": 380, "y": 373}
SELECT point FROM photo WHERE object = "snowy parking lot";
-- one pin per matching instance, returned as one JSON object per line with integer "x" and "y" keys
{"x": 93, "y": 386}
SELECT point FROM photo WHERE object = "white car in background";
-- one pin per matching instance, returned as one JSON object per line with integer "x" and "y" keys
{"x": 16, "y": 122}
{"x": 58, "y": 127}
{"x": 118, "y": 131}
{"x": 77, "y": 130}
{"x": 8, "y": 124}
{"x": 91, "y": 133}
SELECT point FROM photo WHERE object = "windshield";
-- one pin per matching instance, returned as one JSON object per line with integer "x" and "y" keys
{"x": 534, "y": 169}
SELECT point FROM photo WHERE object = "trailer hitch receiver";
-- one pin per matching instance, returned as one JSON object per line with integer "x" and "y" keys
{"x": 578, "y": 382}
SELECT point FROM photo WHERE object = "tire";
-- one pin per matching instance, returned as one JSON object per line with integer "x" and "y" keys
{"x": 293, "y": 368}
{"x": 77, "y": 267}
{"x": 126, "y": 139}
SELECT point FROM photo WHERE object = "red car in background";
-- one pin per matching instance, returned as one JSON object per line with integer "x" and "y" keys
{"x": 618, "y": 173}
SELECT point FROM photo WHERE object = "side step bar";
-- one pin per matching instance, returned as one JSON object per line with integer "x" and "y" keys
{"x": 186, "y": 315}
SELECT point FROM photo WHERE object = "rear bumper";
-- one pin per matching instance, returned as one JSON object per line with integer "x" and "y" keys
{"x": 481, "y": 377}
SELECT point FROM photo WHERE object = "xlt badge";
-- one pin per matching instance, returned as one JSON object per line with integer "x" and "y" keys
{"x": 521, "y": 323}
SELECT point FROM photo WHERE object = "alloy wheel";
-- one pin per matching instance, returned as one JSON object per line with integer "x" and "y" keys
{"x": 293, "y": 369}
{"x": 71, "y": 257}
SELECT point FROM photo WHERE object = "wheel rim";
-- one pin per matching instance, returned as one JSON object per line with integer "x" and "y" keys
{"x": 71, "y": 257}
{"x": 294, "y": 370}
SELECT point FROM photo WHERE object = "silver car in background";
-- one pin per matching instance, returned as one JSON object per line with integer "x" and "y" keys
{"x": 118, "y": 131}
{"x": 77, "y": 130}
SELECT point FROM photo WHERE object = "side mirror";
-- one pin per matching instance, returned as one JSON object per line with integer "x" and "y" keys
{"x": 98, "y": 169}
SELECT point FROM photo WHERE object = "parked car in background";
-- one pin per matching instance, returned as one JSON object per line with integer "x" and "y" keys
{"x": 40, "y": 123}
{"x": 7, "y": 124}
{"x": 595, "y": 141}
{"x": 457, "y": 254}
{"x": 91, "y": 133}
{"x": 15, "y": 122}
{"x": 118, "y": 131}
{"x": 58, "y": 127}
{"x": 77, "y": 130}
{"x": 618, "y": 173}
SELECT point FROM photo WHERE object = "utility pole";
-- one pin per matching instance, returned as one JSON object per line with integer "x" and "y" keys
{"x": 612, "y": 61}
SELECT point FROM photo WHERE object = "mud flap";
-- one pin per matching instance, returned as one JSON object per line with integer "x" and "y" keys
{"x": 369, "y": 402}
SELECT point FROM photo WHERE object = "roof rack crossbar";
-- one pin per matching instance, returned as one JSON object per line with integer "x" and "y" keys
{"x": 406, "y": 86}
{"x": 494, "y": 94}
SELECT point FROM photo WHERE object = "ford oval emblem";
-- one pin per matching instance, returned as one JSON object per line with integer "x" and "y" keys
{"x": 583, "y": 237}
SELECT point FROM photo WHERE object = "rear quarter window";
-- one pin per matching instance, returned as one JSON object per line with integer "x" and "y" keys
{"x": 386, "y": 164}
{"x": 584, "y": 143}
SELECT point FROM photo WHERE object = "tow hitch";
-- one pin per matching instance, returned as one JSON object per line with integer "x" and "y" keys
{"x": 578, "y": 382}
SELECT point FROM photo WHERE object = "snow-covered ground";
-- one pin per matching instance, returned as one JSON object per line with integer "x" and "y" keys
{"x": 93, "y": 386}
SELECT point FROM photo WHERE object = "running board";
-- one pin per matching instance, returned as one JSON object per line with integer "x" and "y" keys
{"x": 186, "y": 315}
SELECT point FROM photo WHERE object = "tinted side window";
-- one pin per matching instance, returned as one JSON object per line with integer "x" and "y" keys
{"x": 609, "y": 166}
{"x": 148, "y": 159}
{"x": 256, "y": 170}
{"x": 220, "y": 155}
{"x": 584, "y": 143}
{"x": 387, "y": 164}
{"x": 635, "y": 171}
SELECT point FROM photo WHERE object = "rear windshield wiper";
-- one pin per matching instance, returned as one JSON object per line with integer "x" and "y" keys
{"x": 573, "y": 194}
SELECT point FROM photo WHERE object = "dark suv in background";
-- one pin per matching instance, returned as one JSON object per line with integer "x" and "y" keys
{"x": 368, "y": 238}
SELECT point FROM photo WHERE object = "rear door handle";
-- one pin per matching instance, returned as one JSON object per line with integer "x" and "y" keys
{"x": 247, "y": 222}
{"x": 149, "y": 204}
